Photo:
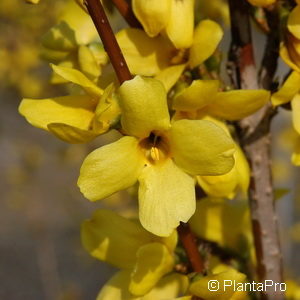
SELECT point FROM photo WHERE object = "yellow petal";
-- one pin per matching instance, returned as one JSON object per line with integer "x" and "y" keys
{"x": 228, "y": 277}
{"x": 207, "y": 37}
{"x": 296, "y": 112}
{"x": 53, "y": 55}
{"x": 77, "y": 77}
{"x": 153, "y": 14}
{"x": 163, "y": 203}
{"x": 180, "y": 28}
{"x": 228, "y": 185}
{"x": 69, "y": 62}
{"x": 74, "y": 110}
{"x": 169, "y": 76}
{"x": 108, "y": 110}
{"x": 261, "y": 2}
{"x": 144, "y": 106}
{"x": 238, "y": 104}
{"x": 294, "y": 22}
{"x": 99, "y": 53}
{"x": 221, "y": 221}
{"x": 144, "y": 55}
{"x": 117, "y": 288}
{"x": 201, "y": 148}
{"x": 169, "y": 287}
{"x": 288, "y": 90}
{"x": 199, "y": 94}
{"x": 296, "y": 153}
{"x": 111, "y": 168}
{"x": 153, "y": 261}
{"x": 71, "y": 134}
{"x": 113, "y": 238}
{"x": 284, "y": 54}
{"x": 87, "y": 62}
{"x": 80, "y": 22}
{"x": 61, "y": 37}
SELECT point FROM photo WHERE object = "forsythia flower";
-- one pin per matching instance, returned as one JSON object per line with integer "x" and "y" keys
{"x": 290, "y": 49}
{"x": 220, "y": 274}
{"x": 146, "y": 261}
{"x": 290, "y": 92}
{"x": 75, "y": 118}
{"x": 158, "y": 57}
{"x": 202, "y": 100}
{"x": 225, "y": 223}
{"x": 70, "y": 44}
{"x": 159, "y": 154}
{"x": 175, "y": 18}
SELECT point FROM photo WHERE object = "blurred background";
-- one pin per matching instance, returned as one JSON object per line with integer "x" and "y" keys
{"x": 41, "y": 208}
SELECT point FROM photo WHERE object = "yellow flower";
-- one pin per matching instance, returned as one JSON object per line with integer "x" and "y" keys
{"x": 158, "y": 57}
{"x": 290, "y": 49}
{"x": 261, "y": 2}
{"x": 169, "y": 287}
{"x": 145, "y": 259}
{"x": 70, "y": 44}
{"x": 222, "y": 274}
{"x": 293, "y": 290}
{"x": 290, "y": 92}
{"x": 159, "y": 154}
{"x": 202, "y": 100}
{"x": 175, "y": 18}
{"x": 75, "y": 118}
{"x": 225, "y": 223}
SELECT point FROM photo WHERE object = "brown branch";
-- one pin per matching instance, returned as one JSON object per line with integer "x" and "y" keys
{"x": 271, "y": 53}
{"x": 125, "y": 10}
{"x": 189, "y": 243}
{"x": 256, "y": 139}
{"x": 109, "y": 41}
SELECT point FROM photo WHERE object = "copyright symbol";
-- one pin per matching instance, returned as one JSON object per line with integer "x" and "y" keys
{"x": 213, "y": 285}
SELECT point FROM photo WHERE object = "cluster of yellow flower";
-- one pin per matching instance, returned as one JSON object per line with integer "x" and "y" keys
{"x": 175, "y": 135}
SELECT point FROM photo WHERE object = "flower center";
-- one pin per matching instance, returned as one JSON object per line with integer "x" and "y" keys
{"x": 155, "y": 147}
{"x": 179, "y": 57}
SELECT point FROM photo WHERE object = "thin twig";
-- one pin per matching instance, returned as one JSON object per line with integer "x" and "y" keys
{"x": 189, "y": 243}
{"x": 271, "y": 53}
{"x": 109, "y": 41}
{"x": 125, "y": 10}
{"x": 255, "y": 138}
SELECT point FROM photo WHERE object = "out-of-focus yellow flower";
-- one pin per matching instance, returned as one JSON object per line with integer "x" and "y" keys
{"x": 290, "y": 92}
{"x": 293, "y": 290}
{"x": 222, "y": 275}
{"x": 144, "y": 258}
{"x": 262, "y": 2}
{"x": 71, "y": 43}
{"x": 33, "y": 1}
{"x": 158, "y": 154}
{"x": 222, "y": 222}
{"x": 158, "y": 57}
{"x": 215, "y": 10}
{"x": 290, "y": 49}
{"x": 75, "y": 118}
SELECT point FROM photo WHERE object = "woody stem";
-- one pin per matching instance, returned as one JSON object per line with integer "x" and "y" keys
{"x": 255, "y": 138}
{"x": 189, "y": 243}
{"x": 125, "y": 10}
{"x": 109, "y": 41}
